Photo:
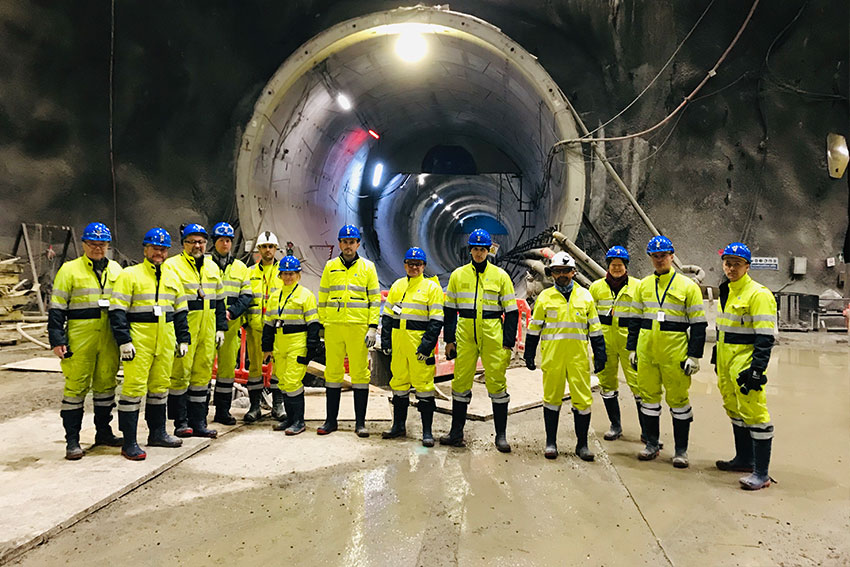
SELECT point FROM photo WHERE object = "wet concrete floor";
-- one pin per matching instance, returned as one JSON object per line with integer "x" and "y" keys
{"x": 261, "y": 497}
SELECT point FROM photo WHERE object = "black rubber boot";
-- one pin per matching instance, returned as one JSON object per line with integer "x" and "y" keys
{"x": 254, "y": 413}
{"x": 399, "y": 427}
{"x": 760, "y": 477}
{"x": 72, "y": 421}
{"x": 128, "y": 422}
{"x": 743, "y": 459}
{"x": 223, "y": 401}
{"x": 361, "y": 400}
{"x": 640, "y": 421}
{"x": 287, "y": 407}
{"x": 278, "y": 407}
{"x": 296, "y": 415}
{"x": 550, "y": 422}
{"x": 681, "y": 432}
{"x": 455, "y": 435}
{"x": 650, "y": 431}
{"x": 331, "y": 411}
{"x": 582, "y": 424}
{"x": 426, "y": 412}
{"x": 177, "y": 411}
{"x": 198, "y": 420}
{"x": 612, "y": 407}
{"x": 104, "y": 434}
{"x": 157, "y": 435}
{"x": 500, "y": 423}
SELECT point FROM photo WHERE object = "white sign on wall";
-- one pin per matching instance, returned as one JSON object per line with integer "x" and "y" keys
{"x": 765, "y": 263}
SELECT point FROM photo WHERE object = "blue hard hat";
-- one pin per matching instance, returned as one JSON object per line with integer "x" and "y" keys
{"x": 194, "y": 228}
{"x": 222, "y": 229}
{"x": 738, "y": 249}
{"x": 480, "y": 237}
{"x": 659, "y": 244}
{"x": 97, "y": 232}
{"x": 289, "y": 264}
{"x": 349, "y": 231}
{"x": 415, "y": 254}
{"x": 157, "y": 237}
{"x": 617, "y": 252}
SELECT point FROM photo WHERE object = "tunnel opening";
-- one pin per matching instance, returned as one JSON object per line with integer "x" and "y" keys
{"x": 413, "y": 147}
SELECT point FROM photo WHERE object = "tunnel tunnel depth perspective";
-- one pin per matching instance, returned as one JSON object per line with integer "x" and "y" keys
{"x": 418, "y": 124}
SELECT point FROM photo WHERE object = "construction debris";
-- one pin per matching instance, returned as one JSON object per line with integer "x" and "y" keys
{"x": 13, "y": 294}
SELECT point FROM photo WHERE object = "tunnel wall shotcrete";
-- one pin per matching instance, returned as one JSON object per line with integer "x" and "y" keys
{"x": 745, "y": 162}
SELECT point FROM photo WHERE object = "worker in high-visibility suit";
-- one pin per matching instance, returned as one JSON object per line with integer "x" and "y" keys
{"x": 349, "y": 308}
{"x": 613, "y": 296}
{"x": 480, "y": 293}
{"x": 666, "y": 348}
{"x": 78, "y": 330}
{"x": 410, "y": 328}
{"x": 264, "y": 283}
{"x": 203, "y": 293}
{"x": 148, "y": 314}
{"x": 564, "y": 318}
{"x": 291, "y": 338}
{"x": 746, "y": 330}
{"x": 236, "y": 285}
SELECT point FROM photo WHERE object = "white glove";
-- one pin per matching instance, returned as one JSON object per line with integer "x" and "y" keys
{"x": 219, "y": 339}
{"x": 633, "y": 358}
{"x": 128, "y": 351}
{"x": 182, "y": 349}
{"x": 690, "y": 366}
{"x": 371, "y": 337}
{"x": 421, "y": 357}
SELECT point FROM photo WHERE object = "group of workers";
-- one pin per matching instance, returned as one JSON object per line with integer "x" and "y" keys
{"x": 167, "y": 319}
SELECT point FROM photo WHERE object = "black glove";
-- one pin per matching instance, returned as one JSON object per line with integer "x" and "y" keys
{"x": 751, "y": 379}
{"x": 714, "y": 356}
{"x": 529, "y": 363}
{"x": 451, "y": 354}
{"x": 598, "y": 365}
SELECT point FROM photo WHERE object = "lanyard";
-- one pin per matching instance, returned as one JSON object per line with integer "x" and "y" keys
{"x": 663, "y": 297}
{"x": 195, "y": 268}
{"x": 96, "y": 275}
{"x": 281, "y": 308}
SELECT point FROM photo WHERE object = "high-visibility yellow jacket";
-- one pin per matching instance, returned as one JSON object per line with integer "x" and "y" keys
{"x": 202, "y": 291}
{"x": 291, "y": 310}
{"x": 148, "y": 299}
{"x": 264, "y": 281}
{"x": 80, "y": 297}
{"x": 672, "y": 317}
{"x": 746, "y": 325}
{"x": 480, "y": 299}
{"x": 414, "y": 307}
{"x": 349, "y": 294}
{"x": 236, "y": 287}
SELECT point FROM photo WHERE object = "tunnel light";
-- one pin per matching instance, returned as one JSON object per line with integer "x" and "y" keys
{"x": 343, "y": 101}
{"x": 411, "y": 46}
{"x": 377, "y": 174}
{"x": 374, "y": 134}
{"x": 447, "y": 207}
{"x": 421, "y": 179}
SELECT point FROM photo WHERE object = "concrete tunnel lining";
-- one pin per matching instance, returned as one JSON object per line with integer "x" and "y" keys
{"x": 301, "y": 159}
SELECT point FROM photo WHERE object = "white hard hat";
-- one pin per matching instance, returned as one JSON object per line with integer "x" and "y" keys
{"x": 562, "y": 259}
{"x": 267, "y": 237}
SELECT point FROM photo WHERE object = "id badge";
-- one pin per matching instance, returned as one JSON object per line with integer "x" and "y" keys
{"x": 103, "y": 303}
{"x": 660, "y": 316}
{"x": 157, "y": 310}
{"x": 397, "y": 309}
{"x": 201, "y": 294}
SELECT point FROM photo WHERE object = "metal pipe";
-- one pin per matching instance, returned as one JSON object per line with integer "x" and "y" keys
{"x": 618, "y": 180}
{"x": 579, "y": 254}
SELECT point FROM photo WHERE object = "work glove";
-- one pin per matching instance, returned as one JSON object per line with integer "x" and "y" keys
{"x": 751, "y": 379}
{"x": 371, "y": 337}
{"x": 451, "y": 351}
{"x": 421, "y": 357}
{"x": 690, "y": 366}
{"x": 219, "y": 339}
{"x": 599, "y": 365}
{"x": 182, "y": 350}
{"x": 128, "y": 351}
{"x": 633, "y": 358}
{"x": 529, "y": 363}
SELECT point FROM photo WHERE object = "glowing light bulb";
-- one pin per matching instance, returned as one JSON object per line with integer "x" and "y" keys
{"x": 411, "y": 47}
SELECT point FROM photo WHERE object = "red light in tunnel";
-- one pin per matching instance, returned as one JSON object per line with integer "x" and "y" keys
{"x": 374, "y": 134}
